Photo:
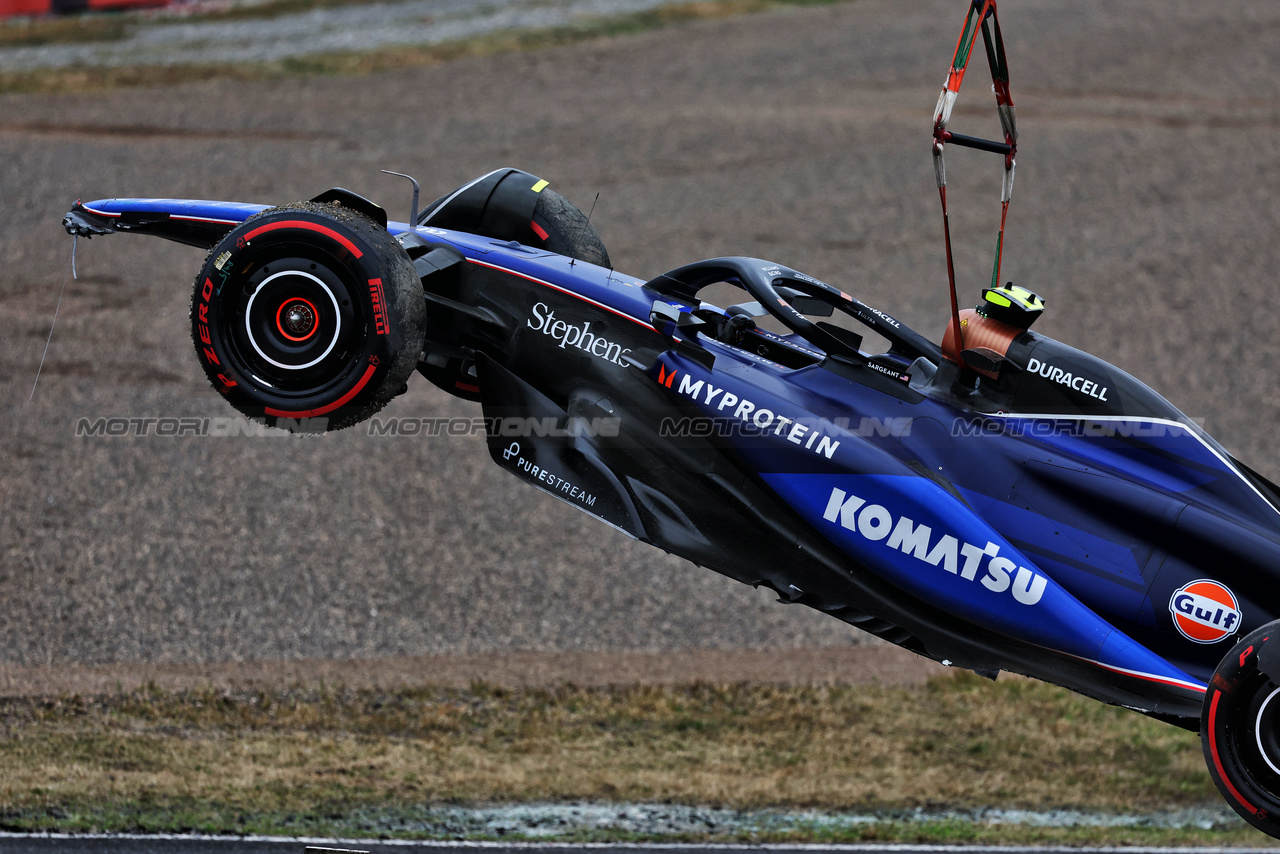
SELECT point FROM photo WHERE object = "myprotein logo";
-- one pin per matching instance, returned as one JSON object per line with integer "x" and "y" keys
{"x": 1072, "y": 381}
{"x": 877, "y": 524}
{"x": 578, "y": 336}
{"x": 1205, "y": 611}
{"x": 761, "y": 419}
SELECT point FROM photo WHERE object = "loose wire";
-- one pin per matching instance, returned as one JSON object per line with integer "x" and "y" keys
{"x": 70, "y": 274}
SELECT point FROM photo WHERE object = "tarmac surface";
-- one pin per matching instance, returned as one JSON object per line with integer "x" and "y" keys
{"x": 1146, "y": 212}
{"x": 216, "y": 845}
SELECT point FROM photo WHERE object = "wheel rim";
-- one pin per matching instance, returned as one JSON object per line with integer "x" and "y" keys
{"x": 293, "y": 329}
{"x": 296, "y": 319}
{"x": 266, "y": 328}
{"x": 1248, "y": 739}
{"x": 1266, "y": 731}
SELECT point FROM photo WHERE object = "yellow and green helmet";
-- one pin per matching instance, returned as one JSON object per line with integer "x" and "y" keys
{"x": 1011, "y": 304}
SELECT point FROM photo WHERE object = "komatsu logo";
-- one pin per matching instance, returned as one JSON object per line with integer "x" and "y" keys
{"x": 1204, "y": 611}
{"x": 877, "y": 524}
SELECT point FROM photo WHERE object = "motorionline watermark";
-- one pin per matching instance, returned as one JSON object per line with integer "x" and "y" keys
{"x": 1049, "y": 427}
{"x": 699, "y": 426}
{"x": 120, "y": 426}
{"x": 513, "y": 427}
{"x": 961, "y": 428}
{"x": 516, "y": 427}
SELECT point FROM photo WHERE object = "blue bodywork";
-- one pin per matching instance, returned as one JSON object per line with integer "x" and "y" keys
{"x": 1065, "y": 536}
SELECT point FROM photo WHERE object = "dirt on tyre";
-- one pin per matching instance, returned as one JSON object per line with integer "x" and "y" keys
{"x": 308, "y": 317}
{"x": 566, "y": 230}
{"x": 511, "y": 204}
{"x": 555, "y": 224}
{"x": 1240, "y": 728}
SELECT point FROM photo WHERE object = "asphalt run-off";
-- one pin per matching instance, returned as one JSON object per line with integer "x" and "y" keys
{"x": 125, "y": 844}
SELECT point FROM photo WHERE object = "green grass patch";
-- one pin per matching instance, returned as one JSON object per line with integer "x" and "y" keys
{"x": 339, "y": 762}
{"x": 38, "y": 32}
{"x": 82, "y": 79}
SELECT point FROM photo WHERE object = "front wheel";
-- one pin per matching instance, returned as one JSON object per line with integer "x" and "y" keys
{"x": 1240, "y": 728}
{"x": 308, "y": 317}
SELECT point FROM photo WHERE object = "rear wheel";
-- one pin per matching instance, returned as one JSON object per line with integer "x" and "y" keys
{"x": 1240, "y": 728}
{"x": 567, "y": 229}
{"x": 508, "y": 205}
{"x": 308, "y": 317}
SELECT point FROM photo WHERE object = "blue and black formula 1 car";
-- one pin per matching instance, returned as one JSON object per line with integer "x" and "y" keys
{"x": 999, "y": 501}
{"x": 1037, "y": 510}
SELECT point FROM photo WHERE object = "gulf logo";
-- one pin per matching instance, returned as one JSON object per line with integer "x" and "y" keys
{"x": 1204, "y": 611}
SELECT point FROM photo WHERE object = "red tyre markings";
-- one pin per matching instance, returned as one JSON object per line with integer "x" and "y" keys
{"x": 206, "y": 292}
{"x": 329, "y": 407}
{"x": 1217, "y": 761}
{"x": 379, "y": 306}
{"x": 539, "y": 230}
{"x": 308, "y": 226}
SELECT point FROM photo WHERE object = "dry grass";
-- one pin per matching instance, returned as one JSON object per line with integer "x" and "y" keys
{"x": 959, "y": 742}
{"x": 28, "y": 32}
{"x": 80, "y": 79}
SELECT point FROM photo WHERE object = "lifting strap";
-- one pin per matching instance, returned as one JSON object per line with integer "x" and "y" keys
{"x": 981, "y": 16}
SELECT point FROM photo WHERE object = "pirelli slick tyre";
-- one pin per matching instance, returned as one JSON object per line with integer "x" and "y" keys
{"x": 557, "y": 226}
{"x": 566, "y": 230}
{"x": 1240, "y": 728}
{"x": 308, "y": 317}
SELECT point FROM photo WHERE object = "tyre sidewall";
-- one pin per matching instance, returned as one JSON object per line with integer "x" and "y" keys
{"x": 355, "y": 268}
{"x": 1234, "y": 760}
{"x": 566, "y": 230}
